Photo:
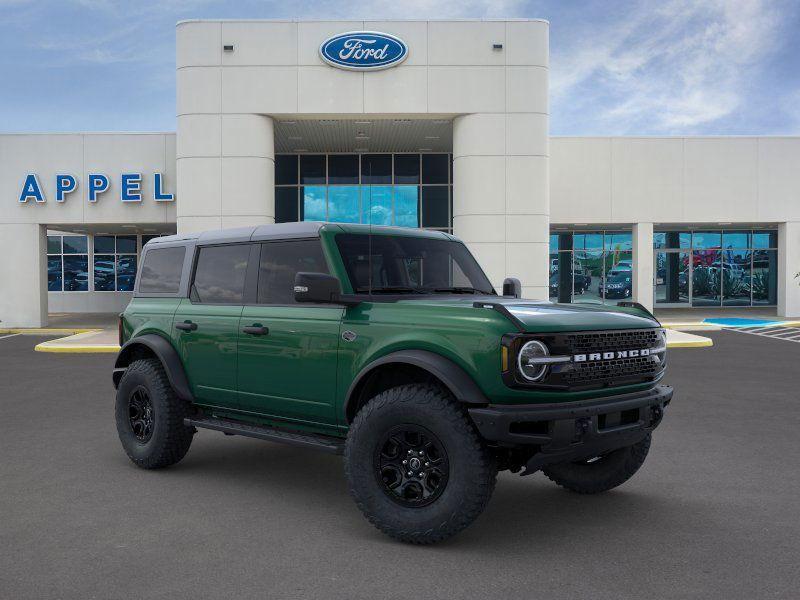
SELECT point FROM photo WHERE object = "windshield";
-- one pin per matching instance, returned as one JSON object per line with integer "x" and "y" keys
{"x": 410, "y": 265}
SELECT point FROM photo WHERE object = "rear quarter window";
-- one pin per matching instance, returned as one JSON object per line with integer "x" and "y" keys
{"x": 161, "y": 270}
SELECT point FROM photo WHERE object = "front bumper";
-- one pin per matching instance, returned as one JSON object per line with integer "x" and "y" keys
{"x": 572, "y": 431}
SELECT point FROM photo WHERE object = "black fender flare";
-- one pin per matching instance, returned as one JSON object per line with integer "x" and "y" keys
{"x": 462, "y": 386}
{"x": 165, "y": 352}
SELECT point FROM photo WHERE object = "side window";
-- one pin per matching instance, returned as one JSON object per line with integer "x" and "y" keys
{"x": 280, "y": 262}
{"x": 220, "y": 273}
{"x": 161, "y": 271}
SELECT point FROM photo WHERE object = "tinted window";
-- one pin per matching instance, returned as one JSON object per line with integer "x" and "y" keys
{"x": 161, "y": 271}
{"x": 286, "y": 205}
{"x": 434, "y": 207}
{"x": 312, "y": 168}
{"x": 104, "y": 244}
{"x": 219, "y": 275}
{"x": 403, "y": 264}
{"x": 286, "y": 169}
{"x": 434, "y": 168}
{"x": 280, "y": 262}
{"x": 343, "y": 168}
{"x": 376, "y": 168}
{"x": 75, "y": 244}
{"x": 406, "y": 168}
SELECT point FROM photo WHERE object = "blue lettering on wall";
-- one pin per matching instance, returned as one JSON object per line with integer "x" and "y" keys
{"x": 65, "y": 184}
{"x": 131, "y": 188}
{"x": 158, "y": 195}
{"x": 363, "y": 50}
{"x": 31, "y": 190}
{"x": 98, "y": 183}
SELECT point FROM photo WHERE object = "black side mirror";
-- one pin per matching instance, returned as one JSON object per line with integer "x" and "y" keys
{"x": 512, "y": 287}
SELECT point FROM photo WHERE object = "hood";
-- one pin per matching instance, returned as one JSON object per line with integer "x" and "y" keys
{"x": 543, "y": 316}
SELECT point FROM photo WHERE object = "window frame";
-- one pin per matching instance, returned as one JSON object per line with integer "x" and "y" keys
{"x": 261, "y": 245}
{"x": 247, "y": 290}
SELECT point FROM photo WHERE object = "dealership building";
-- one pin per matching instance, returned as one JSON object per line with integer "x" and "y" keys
{"x": 434, "y": 124}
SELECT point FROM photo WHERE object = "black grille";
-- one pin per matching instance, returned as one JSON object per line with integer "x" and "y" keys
{"x": 602, "y": 341}
{"x": 618, "y": 369}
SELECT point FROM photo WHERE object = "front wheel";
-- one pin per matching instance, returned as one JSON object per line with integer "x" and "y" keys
{"x": 416, "y": 466}
{"x": 600, "y": 473}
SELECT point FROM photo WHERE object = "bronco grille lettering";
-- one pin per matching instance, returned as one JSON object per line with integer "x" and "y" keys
{"x": 595, "y": 356}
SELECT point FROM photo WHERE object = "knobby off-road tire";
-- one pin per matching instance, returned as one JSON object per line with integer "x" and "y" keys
{"x": 601, "y": 474}
{"x": 461, "y": 471}
{"x": 150, "y": 417}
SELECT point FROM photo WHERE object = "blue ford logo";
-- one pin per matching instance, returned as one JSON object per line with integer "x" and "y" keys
{"x": 363, "y": 50}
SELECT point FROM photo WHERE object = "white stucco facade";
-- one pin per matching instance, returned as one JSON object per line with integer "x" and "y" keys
{"x": 250, "y": 92}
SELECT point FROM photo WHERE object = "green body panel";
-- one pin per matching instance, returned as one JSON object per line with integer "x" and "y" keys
{"x": 291, "y": 372}
{"x": 149, "y": 315}
{"x": 209, "y": 353}
{"x": 301, "y": 372}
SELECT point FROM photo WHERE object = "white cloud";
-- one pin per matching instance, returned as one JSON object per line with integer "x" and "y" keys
{"x": 668, "y": 67}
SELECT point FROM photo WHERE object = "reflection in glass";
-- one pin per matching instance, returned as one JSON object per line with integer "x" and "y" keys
{"x": 406, "y": 205}
{"x": 706, "y": 239}
{"x": 126, "y": 273}
{"x": 376, "y": 204}
{"x": 672, "y": 277}
{"x": 343, "y": 168}
{"x": 553, "y": 271}
{"x": 75, "y": 244}
{"x": 54, "y": 244}
{"x": 735, "y": 277}
{"x": 765, "y": 277}
{"x": 434, "y": 206}
{"x": 406, "y": 168}
{"x": 76, "y": 273}
{"x": 587, "y": 275}
{"x": 104, "y": 244}
{"x": 314, "y": 203}
{"x": 765, "y": 239}
{"x": 736, "y": 239}
{"x": 588, "y": 241}
{"x": 103, "y": 272}
{"x": 343, "y": 204}
{"x": 126, "y": 244}
{"x": 706, "y": 277}
{"x": 312, "y": 168}
{"x": 54, "y": 273}
{"x": 618, "y": 282}
{"x": 672, "y": 239}
{"x": 618, "y": 241}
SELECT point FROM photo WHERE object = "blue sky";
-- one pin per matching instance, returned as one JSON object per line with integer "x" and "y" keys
{"x": 617, "y": 68}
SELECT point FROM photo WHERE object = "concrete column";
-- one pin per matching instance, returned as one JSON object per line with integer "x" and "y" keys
{"x": 226, "y": 171}
{"x": 643, "y": 264}
{"x": 788, "y": 266}
{"x": 23, "y": 271}
{"x": 501, "y": 203}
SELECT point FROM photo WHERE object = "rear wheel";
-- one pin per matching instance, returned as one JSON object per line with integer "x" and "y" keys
{"x": 415, "y": 465}
{"x": 150, "y": 416}
{"x": 600, "y": 473}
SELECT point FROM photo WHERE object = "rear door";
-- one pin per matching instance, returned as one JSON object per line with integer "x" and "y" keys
{"x": 288, "y": 351}
{"x": 207, "y": 323}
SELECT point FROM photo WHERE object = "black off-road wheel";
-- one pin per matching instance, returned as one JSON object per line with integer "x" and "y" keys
{"x": 600, "y": 473}
{"x": 415, "y": 465}
{"x": 150, "y": 417}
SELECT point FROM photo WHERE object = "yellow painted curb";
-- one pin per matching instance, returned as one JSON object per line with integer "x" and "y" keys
{"x": 704, "y": 343}
{"x": 44, "y": 347}
{"x": 46, "y": 331}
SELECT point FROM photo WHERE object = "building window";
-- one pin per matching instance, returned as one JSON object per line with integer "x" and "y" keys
{"x": 67, "y": 263}
{"x": 716, "y": 268}
{"x": 591, "y": 266}
{"x": 406, "y": 190}
{"x": 114, "y": 263}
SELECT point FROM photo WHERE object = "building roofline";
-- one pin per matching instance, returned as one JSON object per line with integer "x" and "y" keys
{"x": 463, "y": 20}
{"x": 10, "y": 133}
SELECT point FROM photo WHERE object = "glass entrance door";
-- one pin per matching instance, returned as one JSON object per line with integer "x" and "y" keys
{"x": 673, "y": 279}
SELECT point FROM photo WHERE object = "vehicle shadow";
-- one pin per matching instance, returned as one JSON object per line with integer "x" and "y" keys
{"x": 525, "y": 513}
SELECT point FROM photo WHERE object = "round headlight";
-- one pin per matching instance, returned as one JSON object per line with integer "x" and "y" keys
{"x": 526, "y": 362}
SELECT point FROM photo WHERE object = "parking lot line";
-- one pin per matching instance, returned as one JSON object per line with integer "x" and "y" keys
{"x": 2, "y": 337}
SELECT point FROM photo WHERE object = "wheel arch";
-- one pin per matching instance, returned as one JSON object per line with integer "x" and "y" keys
{"x": 410, "y": 366}
{"x": 152, "y": 345}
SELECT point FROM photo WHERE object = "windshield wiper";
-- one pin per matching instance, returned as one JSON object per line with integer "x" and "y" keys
{"x": 460, "y": 290}
{"x": 396, "y": 289}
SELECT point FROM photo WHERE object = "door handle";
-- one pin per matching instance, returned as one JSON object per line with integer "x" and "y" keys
{"x": 256, "y": 329}
{"x": 186, "y": 326}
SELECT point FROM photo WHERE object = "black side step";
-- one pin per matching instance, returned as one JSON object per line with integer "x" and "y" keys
{"x": 328, "y": 444}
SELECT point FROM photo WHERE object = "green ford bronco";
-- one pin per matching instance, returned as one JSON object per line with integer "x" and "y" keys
{"x": 391, "y": 347}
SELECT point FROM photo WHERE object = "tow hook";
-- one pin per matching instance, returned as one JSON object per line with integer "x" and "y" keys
{"x": 581, "y": 427}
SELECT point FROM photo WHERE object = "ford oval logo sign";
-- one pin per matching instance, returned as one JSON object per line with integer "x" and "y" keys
{"x": 363, "y": 50}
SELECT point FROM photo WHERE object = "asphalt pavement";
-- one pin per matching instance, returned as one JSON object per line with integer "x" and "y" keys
{"x": 714, "y": 512}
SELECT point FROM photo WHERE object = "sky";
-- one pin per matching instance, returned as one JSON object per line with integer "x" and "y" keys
{"x": 668, "y": 67}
